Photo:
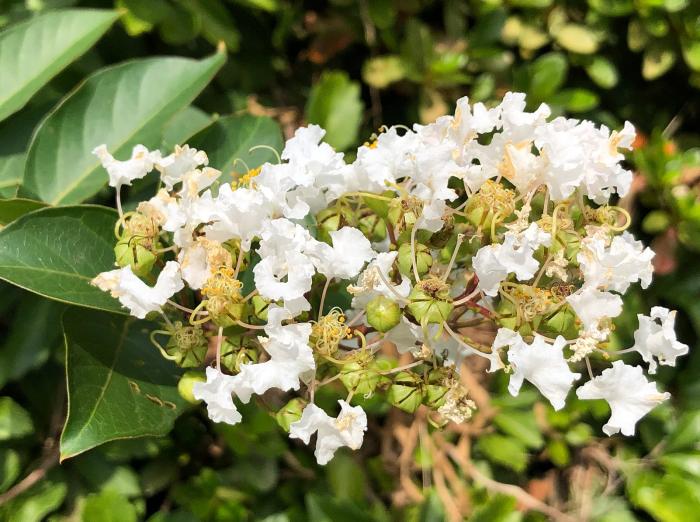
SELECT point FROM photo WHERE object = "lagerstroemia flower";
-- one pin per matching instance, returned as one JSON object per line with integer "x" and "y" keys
{"x": 136, "y": 295}
{"x": 541, "y": 363}
{"x": 627, "y": 391}
{"x": 348, "y": 429}
{"x": 656, "y": 338}
{"x": 492, "y": 215}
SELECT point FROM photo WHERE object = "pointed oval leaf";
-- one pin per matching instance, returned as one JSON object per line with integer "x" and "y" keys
{"x": 55, "y": 252}
{"x": 120, "y": 106}
{"x": 119, "y": 386}
{"x": 33, "y": 52}
{"x": 11, "y": 209}
{"x": 230, "y": 138}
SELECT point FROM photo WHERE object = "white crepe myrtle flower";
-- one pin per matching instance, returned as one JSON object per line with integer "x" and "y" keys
{"x": 124, "y": 172}
{"x": 541, "y": 363}
{"x": 344, "y": 260}
{"x": 627, "y": 391}
{"x": 615, "y": 267}
{"x": 656, "y": 338}
{"x": 136, "y": 295}
{"x": 183, "y": 160}
{"x": 389, "y": 158}
{"x": 216, "y": 393}
{"x": 287, "y": 277}
{"x": 291, "y": 359}
{"x": 493, "y": 263}
{"x": 348, "y": 429}
{"x": 593, "y": 306}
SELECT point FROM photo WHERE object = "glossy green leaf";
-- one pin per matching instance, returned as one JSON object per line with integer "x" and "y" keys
{"x": 109, "y": 506}
{"x": 576, "y": 100}
{"x": 11, "y": 209}
{"x": 669, "y": 498}
{"x": 547, "y": 74}
{"x": 15, "y": 422}
{"x": 120, "y": 106}
{"x": 577, "y": 38}
{"x": 34, "y": 331}
{"x": 687, "y": 434}
{"x": 603, "y": 72}
{"x": 230, "y": 139}
{"x": 185, "y": 124}
{"x": 335, "y": 104}
{"x": 506, "y": 451}
{"x": 33, "y": 52}
{"x": 119, "y": 386}
{"x": 55, "y": 252}
{"x": 36, "y": 503}
{"x": 10, "y": 468}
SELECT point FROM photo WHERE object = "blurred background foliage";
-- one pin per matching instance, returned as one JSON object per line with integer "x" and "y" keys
{"x": 353, "y": 66}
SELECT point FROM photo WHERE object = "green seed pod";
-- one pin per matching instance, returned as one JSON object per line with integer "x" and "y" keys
{"x": 131, "y": 252}
{"x": 373, "y": 227}
{"x": 224, "y": 312}
{"x": 332, "y": 219}
{"x": 492, "y": 201}
{"x": 563, "y": 323}
{"x": 289, "y": 413}
{"x": 188, "y": 345}
{"x": 423, "y": 259}
{"x": 260, "y": 307}
{"x": 383, "y": 313}
{"x": 430, "y": 301}
{"x": 186, "y": 383}
{"x": 362, "y": 379}
{"x": 234, "y": 354}
{"x": 406, "y": 392}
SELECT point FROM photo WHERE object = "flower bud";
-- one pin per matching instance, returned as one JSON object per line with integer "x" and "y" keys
{"x": 373, "y": 227}
{"x": 423, "y": 259}
{"x": 430, "y": 301}
{"x": 363, "y": 380}
{"x": 332, "y": 219}
{"x": 492, "y": 201}
{"x": 188, "y": 345}
{"x": 383, "y": 313}
{"x": 436, "y": 390}
{"x": 562, "y": 322}
{"x": 130, "y": 251}
{"x": 289, "y": 413}
{"x": 406, "y": 392}
{"x": 186, "y": 383}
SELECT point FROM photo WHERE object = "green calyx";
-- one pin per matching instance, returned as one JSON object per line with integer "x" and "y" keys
{"x": 424, "y": 260}
{"x": 493, "y": 202}
{"x": 234, "y": 354}
{"x": 383, "y": 313}
{"x": 430, "y": 301}
{"x": 332, "y": 219}
{"x": 290, "y": 413}
{"x": 373, "y": 227}
{"x": 134, "y": 252}
{"x": 188, "y": 345}
{"x": 364, "y": 379}
{"x": 406, "y": 392}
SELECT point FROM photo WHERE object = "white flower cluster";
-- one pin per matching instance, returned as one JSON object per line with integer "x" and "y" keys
{"x": 431, "y": 230}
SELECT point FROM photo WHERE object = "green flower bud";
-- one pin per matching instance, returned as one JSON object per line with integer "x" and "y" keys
{"x": 373, "y": 227}
{"x": 436, "y": 390}
{"x": 131, "y": 252}
{"x": 260, "y": 307}
{"x": 186, "y": 383}
{"x": 289, "y": 413}
{"x": 430, "y": 301}
{"x": 406, "y": 392}
{"x": 563, "y": 323}
{"x": 383, "y": 313}
{"x": 188, "y": 345}
{"x": 234, "y": 354}
{"x": 363, "y": 380}
{"x": 423, "y": 259}
{"x": 332, "y": 219}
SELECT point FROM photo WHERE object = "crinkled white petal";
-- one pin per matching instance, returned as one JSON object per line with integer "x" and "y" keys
{"x": 183, "y": 160}
{"x": 344, "y": 260}
{"x": 627, "y": 391}
{"x": 656, "y": 338}
{"x": 216, "y": 392}
{"x": 124, "y": 172}
{"x": 592, "y": 306}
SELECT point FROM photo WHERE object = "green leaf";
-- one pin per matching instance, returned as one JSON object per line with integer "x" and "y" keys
{"x": 10, "y": 468}
{"x": 506, "y": 451}
{"x": 686, "y": 435}
{"x": 577, "y": 39}
{"x": 36, "y": 503}
{"x": 11, "y": 209}
{"x": 109, "y": 506}
{"x": 603, "y": 72}
{"x": 55, "y": 252}
{"x": 669, "y": 498}
{"x": 346, "y": 478}
{"x": 33, "y": 52}
{"x": 558, "y": 452}
{"x": 657, "y": 61}
{"x": 14, "y": 141}
{"x": 547, "y": 74}
{"x": 521, "y": 425}
{"x": 230, "y": 138}
{"x": 691, "y": 53}
{"x": 682, "y": 463}
{"x": 119, "y": 386}
{"x": 15, "y": 422}
{"x": 120, "y": 106}
{"x": 335, "y": 104}
{"x": 216, "y": 22}
{"x": 499, "y": 508}
{"x": 576, "y": 100}
{"x": 382, "y": 71}
{"x": 185, "y": 124}
{"x": 34, "y": 331}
